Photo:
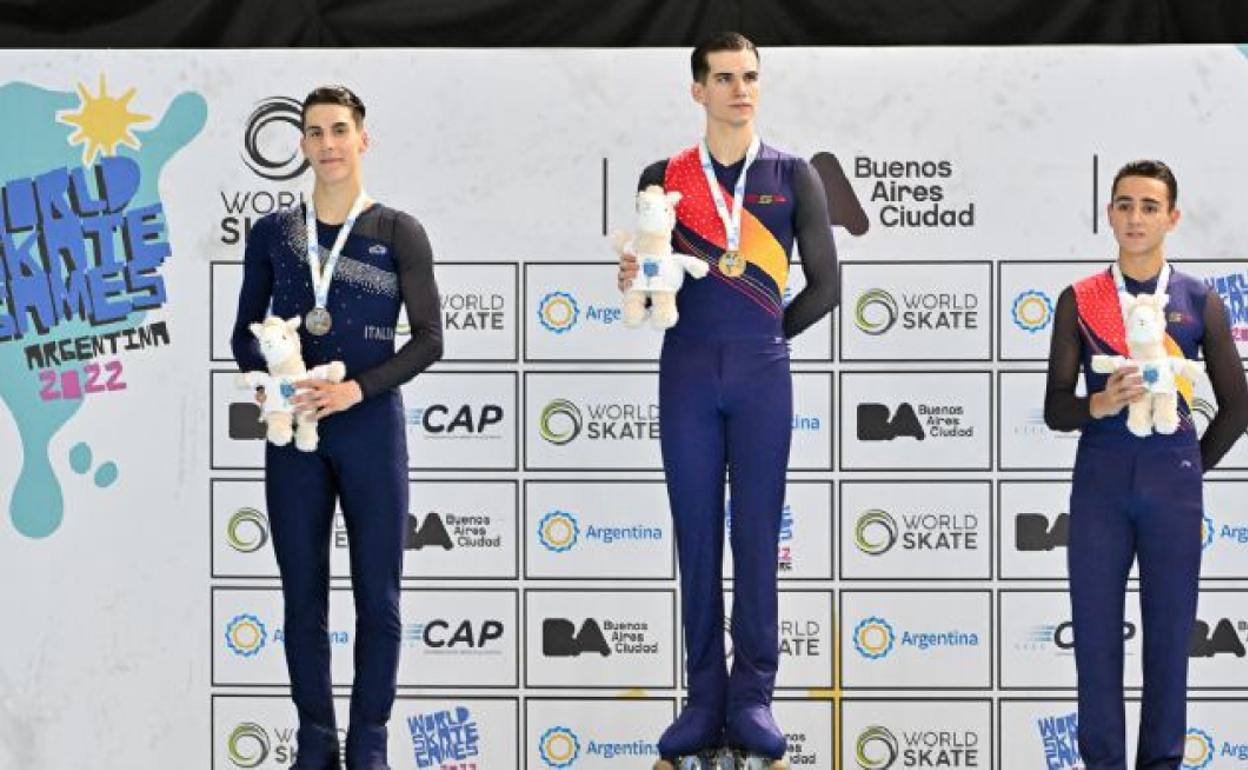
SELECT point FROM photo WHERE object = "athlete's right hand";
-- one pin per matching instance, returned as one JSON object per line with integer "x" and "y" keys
{"x": 1124, "y": 386}
{"x": 628, "y": 271}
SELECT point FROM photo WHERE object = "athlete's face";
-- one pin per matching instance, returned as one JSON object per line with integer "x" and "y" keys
{"x": 730, "y": 92}
{"x": 1141, "y": 214}
{"x": 332, "y": 142}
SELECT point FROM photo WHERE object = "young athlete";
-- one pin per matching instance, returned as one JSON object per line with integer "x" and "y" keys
{"x": 1138, "y": 497}
{"x": 725, "y": 396}
{"x": 345, "y": 265}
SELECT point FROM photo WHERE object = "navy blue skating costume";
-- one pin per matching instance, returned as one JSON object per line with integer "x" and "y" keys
{"x": 725, "y": 396}
{"x": 1138, "y": 498}
{"x": 386, "y": 263}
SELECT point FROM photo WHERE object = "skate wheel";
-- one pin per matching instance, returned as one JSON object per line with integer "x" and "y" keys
{"x": 663, "y": 764}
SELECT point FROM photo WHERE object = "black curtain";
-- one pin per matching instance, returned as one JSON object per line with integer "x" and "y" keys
{"x": 575, "y": 23}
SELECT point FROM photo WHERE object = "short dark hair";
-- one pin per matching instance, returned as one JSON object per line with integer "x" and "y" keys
{"x": 722, "y": 41}
{"x": 1153, "y": 169}
{"x": 333, "y": 94}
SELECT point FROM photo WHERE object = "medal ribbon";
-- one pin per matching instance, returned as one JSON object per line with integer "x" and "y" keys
{"x": 732, "y": 222}
{"x": 323, "y": 276}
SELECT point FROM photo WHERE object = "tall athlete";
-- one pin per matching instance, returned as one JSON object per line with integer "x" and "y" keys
{"x": 1138, "y": 497}
{"x": 345, "y": 265}
{"x": 725, "y": 395}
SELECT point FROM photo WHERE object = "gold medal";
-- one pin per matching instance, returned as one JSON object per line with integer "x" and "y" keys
{"x": 732, "y": 264}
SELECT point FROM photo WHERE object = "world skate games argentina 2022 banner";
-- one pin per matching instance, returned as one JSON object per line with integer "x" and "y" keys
{"x": 924, "y": 617}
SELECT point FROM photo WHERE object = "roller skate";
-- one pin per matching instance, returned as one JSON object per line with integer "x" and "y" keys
{"x": 694, "y": 741}
{"x": 708, "y": 759}
{"x": 755, "y": 739}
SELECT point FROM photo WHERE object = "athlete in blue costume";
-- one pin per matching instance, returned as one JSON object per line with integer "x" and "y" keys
{"x": 385, "y": 262}
{"x": 1138, "y": 497}
{"x": 725, "y": 396}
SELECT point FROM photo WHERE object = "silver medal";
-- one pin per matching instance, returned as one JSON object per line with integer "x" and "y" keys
{"x": 318, "y": 321}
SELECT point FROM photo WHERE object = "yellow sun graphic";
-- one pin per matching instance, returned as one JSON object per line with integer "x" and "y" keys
{"x": 103, "y": 122}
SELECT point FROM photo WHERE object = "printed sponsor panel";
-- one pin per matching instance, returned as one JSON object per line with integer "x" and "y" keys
{"x": 916, "y": 311}
{"x": 452, "y": 638}
{"x": 1026, "y": 442}
{"x": 1027, "y": 304}
{"x": 591, "y": 530}
{"x": 594, "y": 733}
{"x": 453, "y": 530}
{"x": 916, "y": 733}
{"x": 261, "y": 732}
{"x": 806, "y": 629}
{"x": 926, "y": 530}
{"x": 916, "y": 420}
{"x": 573, "y": 312}
{"x": 805, "y": 551}
{"x": 599, "y": 639}
{"x": 916, "y": 639}
{"x": 462, "y": 420}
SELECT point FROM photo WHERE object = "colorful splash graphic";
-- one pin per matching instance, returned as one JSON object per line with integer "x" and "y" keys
{"x": 83, "y": 240}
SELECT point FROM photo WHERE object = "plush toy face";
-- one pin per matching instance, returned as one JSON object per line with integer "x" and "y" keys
{"x": 656, "y": 210}
{"x": 279, "y": 340}
{"x": 1145, "y": 318}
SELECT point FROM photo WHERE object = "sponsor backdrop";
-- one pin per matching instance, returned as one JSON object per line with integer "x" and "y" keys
{"x": 924, "y": 621}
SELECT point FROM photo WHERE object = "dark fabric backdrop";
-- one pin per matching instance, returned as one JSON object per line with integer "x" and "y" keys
{"x": 487, "y": 23}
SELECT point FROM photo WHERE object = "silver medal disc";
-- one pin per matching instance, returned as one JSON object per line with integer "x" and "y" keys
{"x": 318, "y": 321}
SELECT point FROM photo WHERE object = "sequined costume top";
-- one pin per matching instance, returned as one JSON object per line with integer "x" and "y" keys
{"x": 386, "y": 262}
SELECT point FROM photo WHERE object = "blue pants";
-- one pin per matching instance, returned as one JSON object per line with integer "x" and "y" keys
{"x": 727, "y": 403}
{"x": 1136, "y": 499}
{"x": 362, "y": 459}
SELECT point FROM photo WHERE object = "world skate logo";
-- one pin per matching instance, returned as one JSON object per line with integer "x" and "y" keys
{"x": 876, "y": 748}
{"x": 875, "y": 312}
{"x": 559, "y": 747}
{"x": 876, "y": 532}
{"x": 267, "y": 153}
{"x": 560, "y": 422}
{"x": 471, "y": 312}
{"x": 1060, "y": 737}
{"x": 558, "y": 312}
{"x": 1032, "y": 311}
{"x": 247, "y": 530}
{"x": 1199, "y": 749}
{"x": 1032, "y": 532}
{"x": 873, "y": 638}
{"x": 247, "y": 745}
{"x": 558, "y": 531}
{"x": 246, "y": 635}
{"x": 447, "y": 736}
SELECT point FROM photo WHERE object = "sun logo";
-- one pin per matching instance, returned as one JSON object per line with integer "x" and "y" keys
{"x": 103, "y": 122}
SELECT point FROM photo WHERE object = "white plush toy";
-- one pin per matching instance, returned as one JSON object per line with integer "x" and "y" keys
{"x": 1145, "y": 317}
{"x": 660, "y": 271}
{"x": 280, "y": 346}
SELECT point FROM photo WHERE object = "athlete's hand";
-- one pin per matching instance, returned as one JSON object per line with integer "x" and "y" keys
{"x": 1124, "y": 386}
{"x": 628, "y": 271}
{"x": 321, "y": 398}
{"x": 260, "y": 396}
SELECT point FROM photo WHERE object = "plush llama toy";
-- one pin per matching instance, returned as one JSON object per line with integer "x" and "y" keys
{"x": 1158, "y": 409}
{"x": 280, "y": 346}
{"x": 660, "y": 271}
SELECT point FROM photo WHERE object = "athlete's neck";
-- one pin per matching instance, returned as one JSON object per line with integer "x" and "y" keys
{"x": 1141, "y": 267}
{"x": 728, "y": 143}
{"x": 333, "y": 199}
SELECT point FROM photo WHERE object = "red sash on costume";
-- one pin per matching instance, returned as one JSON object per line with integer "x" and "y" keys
{"x": 696, "y": 209}
{"x": 1101, "y": 311}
